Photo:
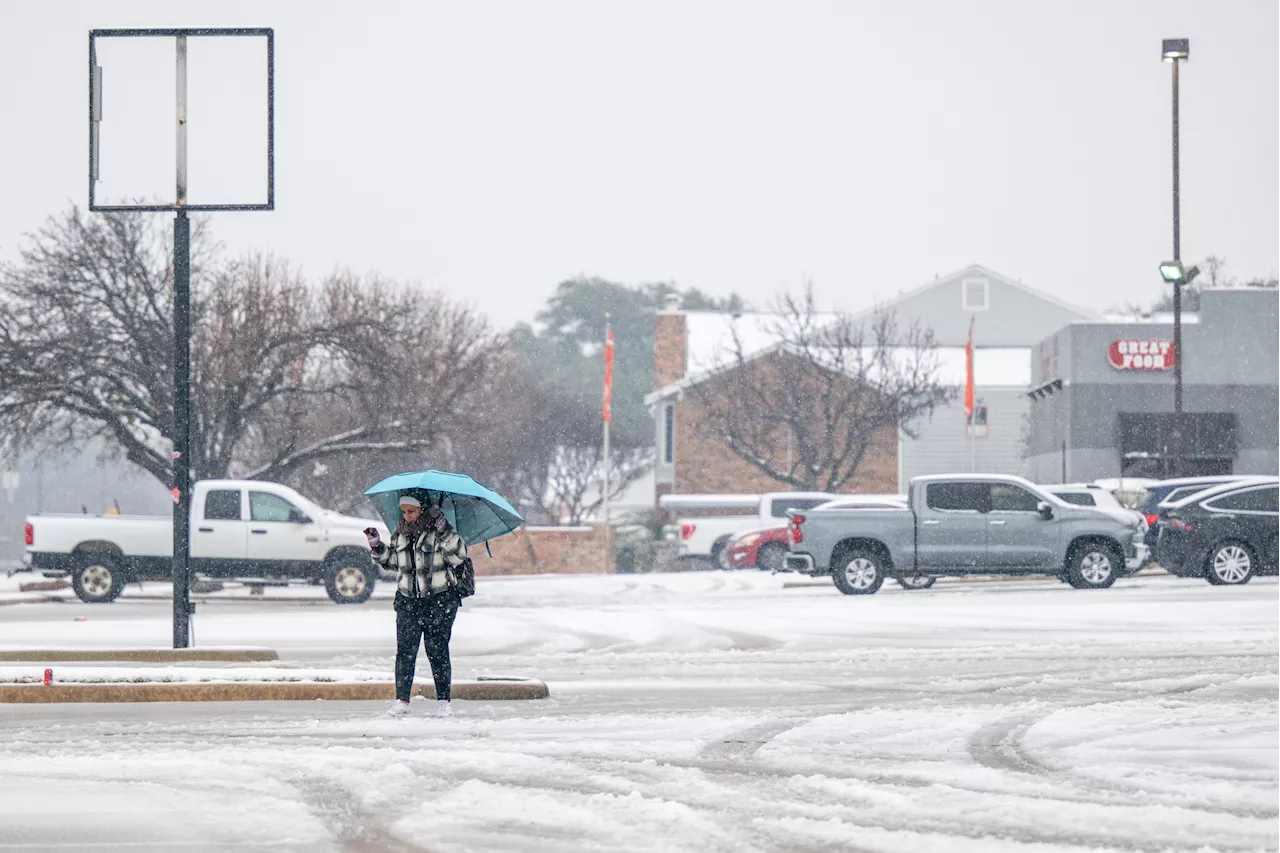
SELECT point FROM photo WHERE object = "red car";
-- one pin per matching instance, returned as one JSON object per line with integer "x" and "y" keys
{"x": 765, "y": 547}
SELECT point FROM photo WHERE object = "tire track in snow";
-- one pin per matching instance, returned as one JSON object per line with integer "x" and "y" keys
{"x": 356, "y": 830}
{"x": 999, "y": 746}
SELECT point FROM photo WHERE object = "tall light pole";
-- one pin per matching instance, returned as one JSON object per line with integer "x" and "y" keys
{"x": 1173, "y": 51}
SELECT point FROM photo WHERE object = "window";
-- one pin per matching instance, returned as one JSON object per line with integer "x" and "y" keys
{"x": 1076, "y": 498}
{"x": 1262, "y": 499}
{"x": 977, "y": 426}
{"x": 267, "y": 507}
{"x": 1146, "y": 440}
{"x": 958, "y": 497}
{"x": 669, "y": 433}
{"x": 222, "y": 505}
{"x": 974, "y": 293}
{"x": 1006, "y": 497}
{"x": 1186, "y": 492}
{"x": 781, "y": 505}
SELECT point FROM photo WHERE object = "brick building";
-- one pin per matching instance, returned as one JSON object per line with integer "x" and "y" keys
{"x": 1009, "y": 318}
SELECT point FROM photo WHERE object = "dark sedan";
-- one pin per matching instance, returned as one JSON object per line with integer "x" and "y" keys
{"x": 1226, "y": 534}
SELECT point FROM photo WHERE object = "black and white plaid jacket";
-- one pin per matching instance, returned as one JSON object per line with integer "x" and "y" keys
{"x": 424, "y": 570}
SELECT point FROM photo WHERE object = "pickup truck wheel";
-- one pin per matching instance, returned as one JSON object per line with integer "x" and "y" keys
{"x": 859, "y": 572}
{"x": 916, "y": 581}
{"x": 717, "y": 551}
{"x": 1092, "y": 566}
{"x": 1230, "y": 563}
{"x": 96, "y": 578}
{"x": 772, "y": 557}
{"x": 348, "y": 582}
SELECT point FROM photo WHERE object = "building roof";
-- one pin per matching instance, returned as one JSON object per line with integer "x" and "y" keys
{"x": 711, "y": 344}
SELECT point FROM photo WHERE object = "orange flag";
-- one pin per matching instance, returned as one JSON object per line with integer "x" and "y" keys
{"x": 968, "y": 376}
{"x": 608, "y": 375}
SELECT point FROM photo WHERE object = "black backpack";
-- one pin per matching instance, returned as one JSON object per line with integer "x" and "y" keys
{"x": 464, "y": 578}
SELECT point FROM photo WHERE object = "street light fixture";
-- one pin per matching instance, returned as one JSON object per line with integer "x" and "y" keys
{"x": 1174, "y": 51}
{"x": 1172, "y": 272}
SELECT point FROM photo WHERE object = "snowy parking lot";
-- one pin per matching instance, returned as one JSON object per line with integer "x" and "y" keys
{"x": 688, "y": 712}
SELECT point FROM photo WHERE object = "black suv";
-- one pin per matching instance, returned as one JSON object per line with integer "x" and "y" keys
{"x": 1226, "y": 534}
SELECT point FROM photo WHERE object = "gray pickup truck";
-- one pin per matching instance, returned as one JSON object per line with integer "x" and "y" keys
{"x": 966, "y": 525}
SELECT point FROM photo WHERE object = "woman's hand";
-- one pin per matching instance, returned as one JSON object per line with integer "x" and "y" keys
{"x": 375, "y": 539}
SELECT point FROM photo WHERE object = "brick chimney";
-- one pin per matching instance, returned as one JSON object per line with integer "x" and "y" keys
{"x": 670, "y": 344}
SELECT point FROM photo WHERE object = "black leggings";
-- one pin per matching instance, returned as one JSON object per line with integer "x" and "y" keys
{"x": 429, "y": 621}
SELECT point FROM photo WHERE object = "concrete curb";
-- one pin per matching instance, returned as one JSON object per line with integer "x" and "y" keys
{"x": 39, "y": 599}
{"x": 247, "y": 655}
{"x": 481, "y": 690}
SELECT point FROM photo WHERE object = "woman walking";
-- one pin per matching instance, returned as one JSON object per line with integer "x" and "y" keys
{"x": 428, "y": 553}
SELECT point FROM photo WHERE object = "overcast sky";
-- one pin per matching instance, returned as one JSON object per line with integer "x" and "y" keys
{"x": 495, "y": 149}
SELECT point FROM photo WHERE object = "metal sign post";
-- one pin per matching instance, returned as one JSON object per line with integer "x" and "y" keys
{"x": 182, "y": 462}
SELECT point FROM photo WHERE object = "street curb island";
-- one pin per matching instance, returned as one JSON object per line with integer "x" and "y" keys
{"x": 483, "y": 689}
{"x": 248, "y": 654}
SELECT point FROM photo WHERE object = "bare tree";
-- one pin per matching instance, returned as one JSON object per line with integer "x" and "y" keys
{"x": 807, "y": 412}
{"x": 533, "y": 442}
{"x": 576, "y": 477}
{"x": 283, "y": 373}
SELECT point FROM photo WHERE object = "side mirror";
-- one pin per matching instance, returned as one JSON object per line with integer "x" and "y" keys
{"x": 297, "y": 516}
{"x": 1045, "y": 510}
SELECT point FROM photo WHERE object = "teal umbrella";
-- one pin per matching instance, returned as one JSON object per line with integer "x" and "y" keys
{"x": 477, "y": 513}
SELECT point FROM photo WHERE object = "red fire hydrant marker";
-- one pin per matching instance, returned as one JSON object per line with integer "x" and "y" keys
{"x": 48, "y": 676}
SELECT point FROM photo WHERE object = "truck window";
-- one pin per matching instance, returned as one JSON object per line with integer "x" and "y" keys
{"x": 1006, "y": 497}
{"x": 222, "y": 505}
{"x": 958, "y": 497}
{"x": 268, "y": 507}
{"x": 781, "y": 505}
{"x": 1077, "y": 498}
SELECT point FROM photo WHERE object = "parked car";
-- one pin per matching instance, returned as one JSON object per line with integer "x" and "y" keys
{"x": 966, "y": 525}
{"x": 706, "y": 536}
{"x": 240, "y": 529}
{"x": 1174, "y": 490}
{"x": 766, "y": 548}
{"x": 1093, "y": 495}
{"x": 1225, "y": 534}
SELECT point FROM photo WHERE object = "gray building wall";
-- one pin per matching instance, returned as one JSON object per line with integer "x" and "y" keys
{"x": 1016, "y": 316}
{"x": 942, "y": 444}
{"x": 1231, "y": 364}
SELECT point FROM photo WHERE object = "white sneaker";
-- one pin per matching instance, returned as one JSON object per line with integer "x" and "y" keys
{"x": 398, "y": 709}
{"x": 443, "y": 708}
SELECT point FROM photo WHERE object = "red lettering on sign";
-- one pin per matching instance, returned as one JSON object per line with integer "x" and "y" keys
{"x": 1149, "y": 354}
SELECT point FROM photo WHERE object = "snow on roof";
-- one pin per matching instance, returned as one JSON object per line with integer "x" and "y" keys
{"x": 992, "y": 366}
{"x": 709, "y": 501}
{"x": 710, "y": 341}
{"x": 1161, "y": 317}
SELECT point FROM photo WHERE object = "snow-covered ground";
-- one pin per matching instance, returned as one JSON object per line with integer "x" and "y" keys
{"x": 689, "y": 712}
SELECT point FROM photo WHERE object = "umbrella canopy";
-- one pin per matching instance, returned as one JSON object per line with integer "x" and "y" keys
{"x": 477, "y": 513}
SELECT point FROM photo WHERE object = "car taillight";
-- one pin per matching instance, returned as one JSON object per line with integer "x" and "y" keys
{"x": 796, "y": 536}
{"x": 1179, "y": 524}
{"x": 686, "y": 530}
{"x": 1152, "y": 518}
{"x": 31, "y": 534}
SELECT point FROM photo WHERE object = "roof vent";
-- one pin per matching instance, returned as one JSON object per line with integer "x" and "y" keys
{"x": 975, "y": 294}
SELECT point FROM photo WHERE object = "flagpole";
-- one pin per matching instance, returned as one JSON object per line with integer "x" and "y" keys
{"x": 969, "y": 403}
{"x": 608, "y": 403}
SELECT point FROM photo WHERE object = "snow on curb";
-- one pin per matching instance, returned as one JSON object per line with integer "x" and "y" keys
{"x": 190, "y": 684}
{"x": 220, "y": 654}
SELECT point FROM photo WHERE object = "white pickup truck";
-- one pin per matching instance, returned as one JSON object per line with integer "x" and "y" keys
{"x": 705, "y": 536}
{"x": 241, "y": 529}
